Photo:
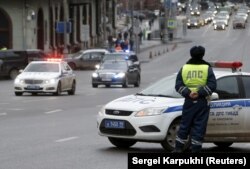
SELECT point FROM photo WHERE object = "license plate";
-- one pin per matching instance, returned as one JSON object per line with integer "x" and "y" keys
{"x": 33, "y": 87}
{"x": 118, "y": 124}
{"x": 106, "y": 79}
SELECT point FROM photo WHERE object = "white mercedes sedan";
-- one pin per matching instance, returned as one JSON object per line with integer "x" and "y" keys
{"x": 52, "y": 76}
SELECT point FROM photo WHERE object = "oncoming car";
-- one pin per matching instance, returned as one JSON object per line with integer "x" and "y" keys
{"x": 116, "y": 72}
{"x": 53, "y": 76}
{"x": 154, "y": 114}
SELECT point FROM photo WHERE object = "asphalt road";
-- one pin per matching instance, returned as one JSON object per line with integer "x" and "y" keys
{"x": 59, "y": 132}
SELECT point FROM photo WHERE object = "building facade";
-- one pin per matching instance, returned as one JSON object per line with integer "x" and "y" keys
{"x": 56, "y": 24}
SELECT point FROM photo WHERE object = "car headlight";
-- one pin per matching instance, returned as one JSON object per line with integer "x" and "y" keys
{"x": 150, "y": 112}
{"x": 50, "y": 81}
{"x": 188, "y": 24}
{"x": 95, "y": 75}
{"x": 20, "y": 81}
{"x": 120, "y": 75}
{"x": 195, "y": 23}
{"x": 101, "y": 112}
{"x": 215, "y": 26}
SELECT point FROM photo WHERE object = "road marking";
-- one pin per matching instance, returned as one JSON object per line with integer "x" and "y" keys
{"x": 4, "y": 103}
{"x": 38, "y": 100}
{"x": 53, "y": 111}
{"x": 15, "y": 109}
{"x": 66, "y": 139}
{"x": 3, "y": 114}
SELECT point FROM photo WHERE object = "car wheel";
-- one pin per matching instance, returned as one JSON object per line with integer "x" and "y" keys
{"x": 223, "y": 144}
{"x": 59, "y": 90}
{"x": 125, "y": 83}
{"x": 169, "y": 142}
{"x": 73, "y": 89}
{"x": 122, "y": 143}
{"x": 18, "y": 93}
{"x": 94, "y": 85}
{"x": 137, "y": 83}
{"x": 13, "y": 73}
{"x": 72, "y": 65}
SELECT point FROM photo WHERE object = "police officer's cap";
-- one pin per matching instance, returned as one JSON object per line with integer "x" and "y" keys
{"x": 197, "y": 52}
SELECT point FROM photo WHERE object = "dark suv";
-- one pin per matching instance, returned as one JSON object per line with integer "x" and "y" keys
{"x": 11, "y": 61}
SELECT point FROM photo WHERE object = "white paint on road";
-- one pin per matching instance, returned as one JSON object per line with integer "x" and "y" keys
{"x": 4, "y": 103}
{"x": 3, "y": 114}
{"x": 38, "y": 100}
{"x": 66, "y": 139}
{"x": 53, "y": 111}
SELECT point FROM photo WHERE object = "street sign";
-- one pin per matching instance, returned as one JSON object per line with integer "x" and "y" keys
{"x": 61, "y": 25}
{"x": 85, "y": 33}
{"x": 171, "y": 23}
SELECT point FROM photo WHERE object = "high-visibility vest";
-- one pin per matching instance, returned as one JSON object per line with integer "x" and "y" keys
{"x": 195, "y": 76}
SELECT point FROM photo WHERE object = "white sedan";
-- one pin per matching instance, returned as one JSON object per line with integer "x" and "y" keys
{"x": 46, "y": 77}
{"x": 153, "y": 115}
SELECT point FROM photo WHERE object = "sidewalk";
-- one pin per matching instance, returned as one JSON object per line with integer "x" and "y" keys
{"x": 151, "y": 48}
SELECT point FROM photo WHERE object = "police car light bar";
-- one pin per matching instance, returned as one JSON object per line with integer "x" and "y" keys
{"x": 224, "y": 64}
{"x": 54, "y": 60}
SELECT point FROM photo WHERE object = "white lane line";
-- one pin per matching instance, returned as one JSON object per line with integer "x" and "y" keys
{"x": 38, "y": 100}
{"x": 4, "y": 103}
{"x": 15, "y": 109}
{"x": 53, "y": 111}
{"x": 3, "y": 114}
{"x": 66, "y": 139}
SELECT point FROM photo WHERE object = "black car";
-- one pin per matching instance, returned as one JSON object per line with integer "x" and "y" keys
{"x": 11, "y": 61}
{"x": 129, "y": 56}
{"x": 116, "y": 72}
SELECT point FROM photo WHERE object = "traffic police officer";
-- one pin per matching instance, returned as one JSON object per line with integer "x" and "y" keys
{"x": 195, "y": 82}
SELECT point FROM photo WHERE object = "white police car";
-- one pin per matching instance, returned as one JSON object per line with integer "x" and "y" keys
{"x": 154, "y": 114}
{"x": 51, "y": 76}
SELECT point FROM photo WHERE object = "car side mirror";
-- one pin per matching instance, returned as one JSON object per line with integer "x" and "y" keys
{"x": 214, "y": 96}
{"x": 97, "y": 66}
{"x": 21, "y": 70}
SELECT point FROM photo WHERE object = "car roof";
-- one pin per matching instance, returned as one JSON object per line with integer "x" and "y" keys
{"x": 94, "y": 50}
{"x": 49, "y": 62}
{"x": 223, "y": 73}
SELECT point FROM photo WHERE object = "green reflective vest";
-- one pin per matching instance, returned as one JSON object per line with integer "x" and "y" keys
{"x": 194, "y": 76}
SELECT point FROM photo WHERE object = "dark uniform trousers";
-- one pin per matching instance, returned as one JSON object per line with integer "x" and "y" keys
{"x": 194, "y": 122}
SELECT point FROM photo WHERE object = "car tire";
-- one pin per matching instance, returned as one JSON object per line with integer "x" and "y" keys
{"x": 73, "y": 89}
{"x": 169, "y": 142}
{"x": 138, "y": 81}
{"x": 223, "y": 144}
{"x": 72, "y": 65}
{"x": 94, "y": 85}
{"x": 13, "y": 73}
{"x": 18, "y": 93}
{"x": 58, "y": 90}
{"x": 125, "y": 83}
{"x": 121, "y": 143}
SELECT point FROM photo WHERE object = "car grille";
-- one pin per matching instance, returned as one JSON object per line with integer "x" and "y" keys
{"x": 128, "y": 131}
{"x": 118, "y": 112}
{"x": 31, "y": 81}
{"x": 106, "y": 75}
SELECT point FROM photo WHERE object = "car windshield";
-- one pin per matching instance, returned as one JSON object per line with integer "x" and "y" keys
{"x": 42, "y": 67}
{"x": 162, "y": 88}
{"x": 76, "y": 55}
{"x": 114, "y": 65}
{"x": 115, "y": 57}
